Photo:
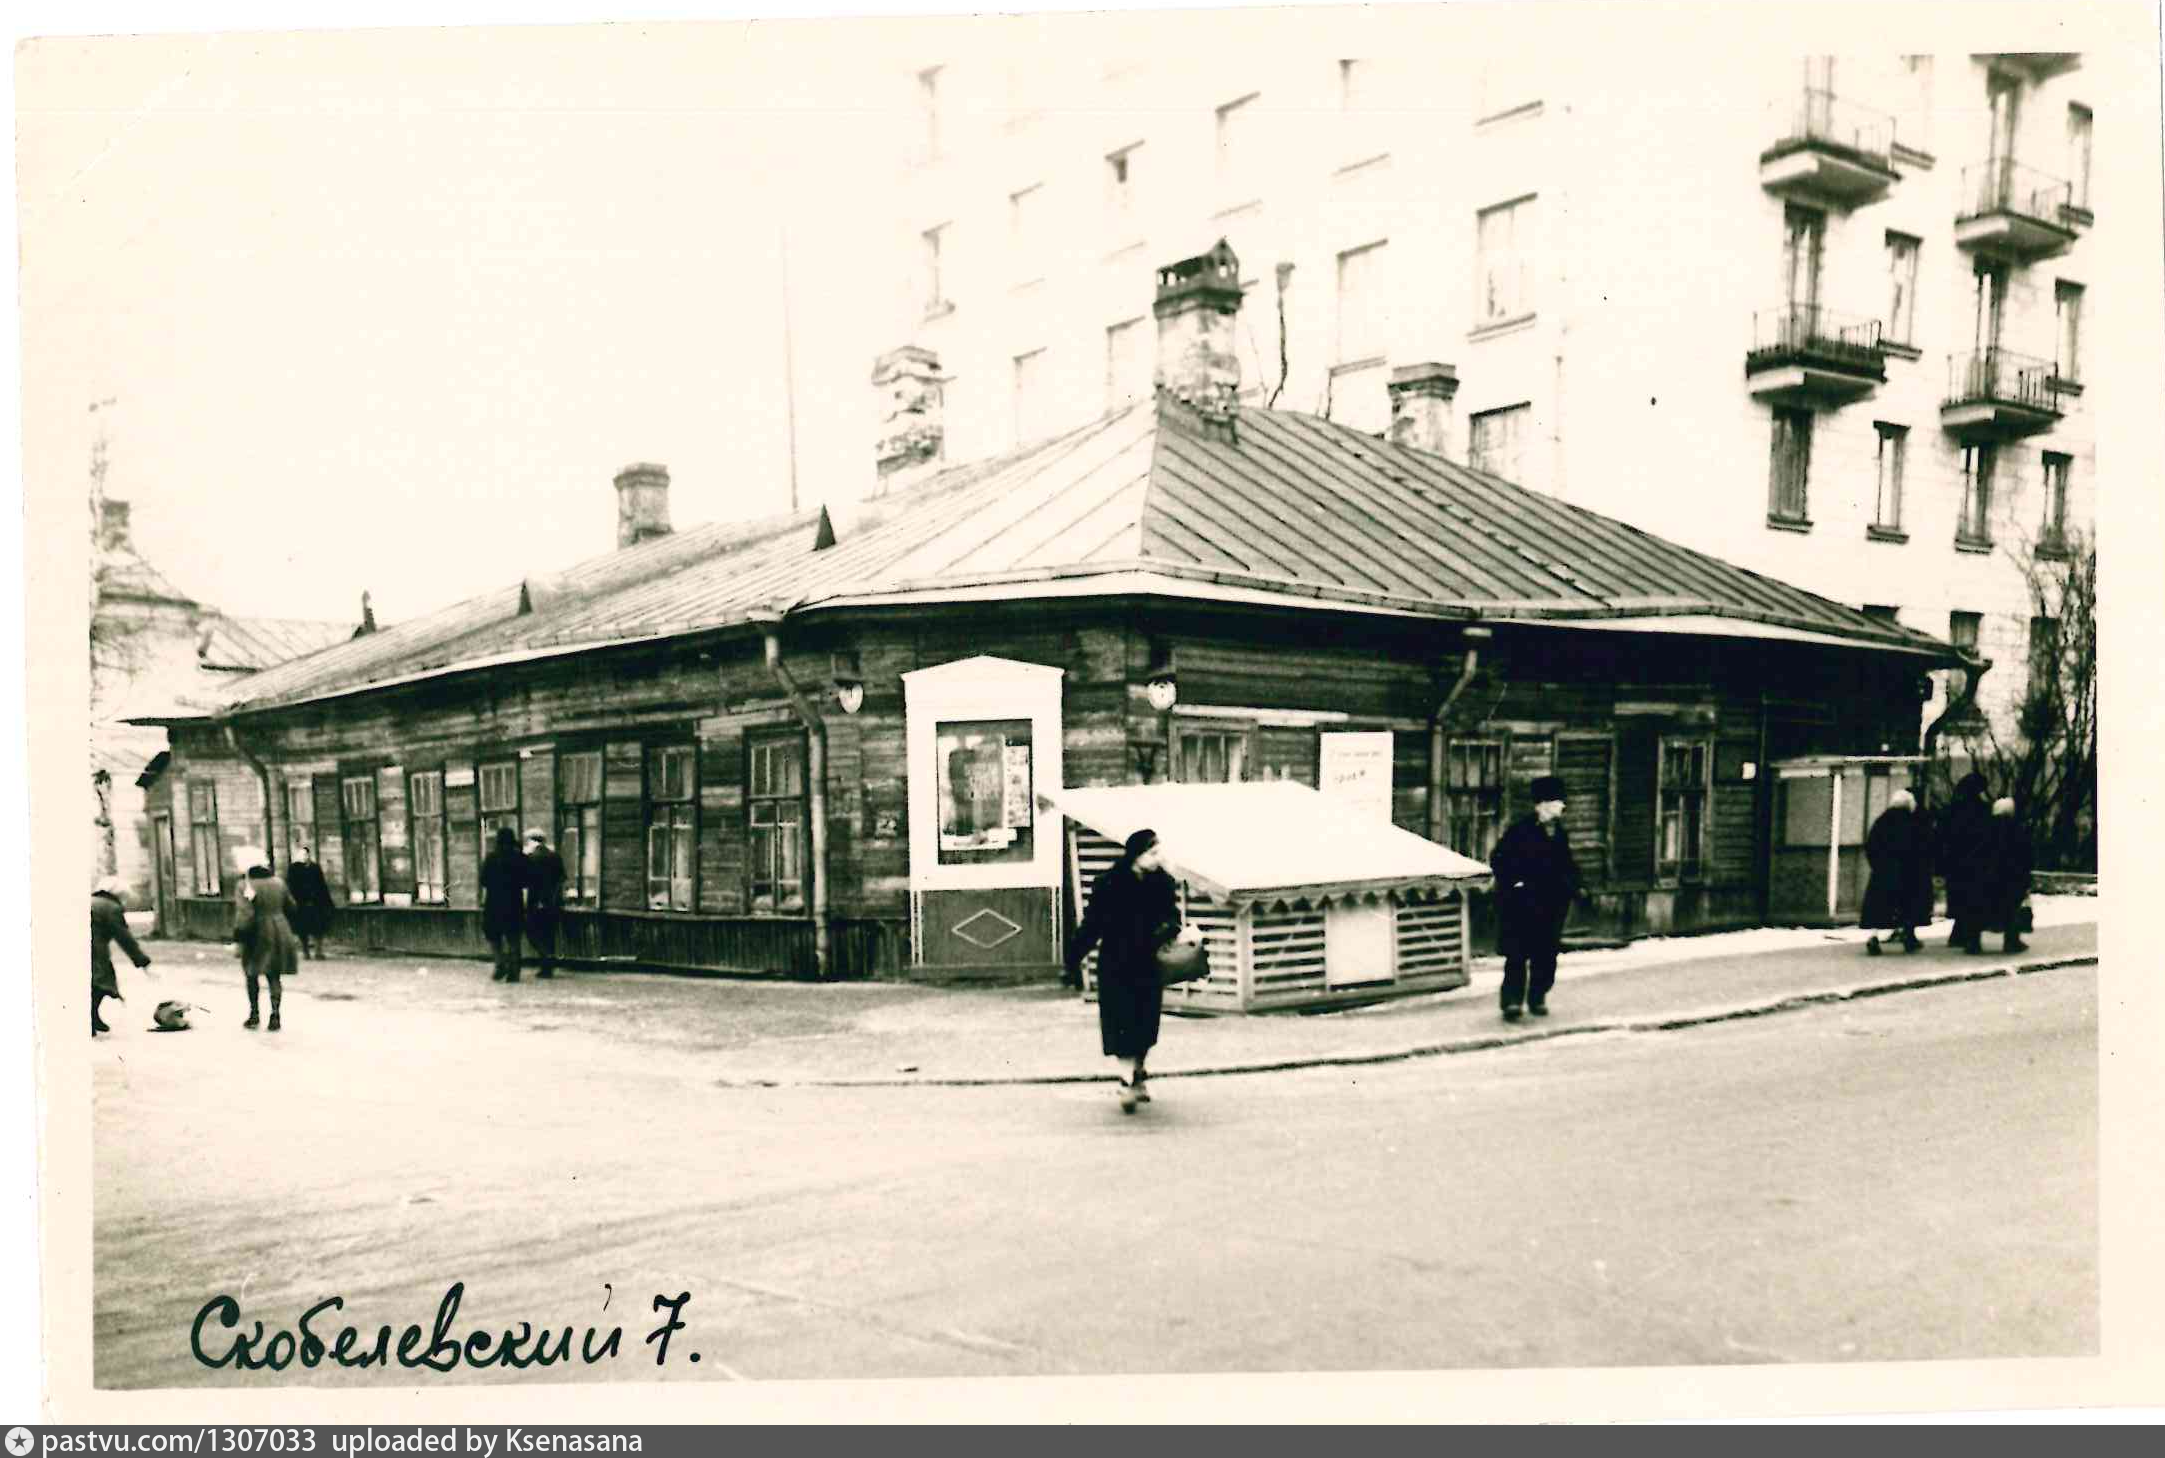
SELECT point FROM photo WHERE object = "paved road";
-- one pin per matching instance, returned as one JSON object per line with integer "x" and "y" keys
{"x": 1911, "y": 1176}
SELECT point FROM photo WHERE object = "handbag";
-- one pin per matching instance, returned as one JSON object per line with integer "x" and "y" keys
{"x": 1182, "y": 962}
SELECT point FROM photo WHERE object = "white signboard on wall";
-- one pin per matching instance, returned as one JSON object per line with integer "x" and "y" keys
{"x": 1355, "y": 769}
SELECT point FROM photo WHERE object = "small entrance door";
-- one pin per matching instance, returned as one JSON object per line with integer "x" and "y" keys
{"x": 984, "y": 740}
{"x": 162, "y": 882}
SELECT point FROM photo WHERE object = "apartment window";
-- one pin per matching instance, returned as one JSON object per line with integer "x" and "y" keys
{"x": 1973, "y": 525}
{"x": 2052, "y": 533}
{"x": 1353, "y": 81}
{"x": 578, "y": 825}
{"x": 928, "y": 112}
{"x": 1358, "y": 117}
{"x": 2003, "y": 95}
{"x": 1237, "y": 151}
{"x": 1473, "y": 795}
{"x": 1496, "y": 439}
{"x": 2078, "y": 155}
{"x": 1120, "y": 188}
{"x": 1210, "y": 756}
{"x": 1902, "y": 286}
{"x": 1029, "y": 396}
{"x": 774, "y": 809}
{"x": 203, "y": 838}
{"x": 1681, "y": 849}
{"x": 672, "y": 837}
{"x": 1025, "y": 214}
{"x": 933, "y": 240}
{"x": 300, "y": 817}
{"x": 499, "y": 802}
{"x": 2067, "y": 331}
{"x": 1893, "y": 452}
{"x": 364, "y": 839}
{"x": 1360, "y": 301}
{"x": 1504, "y": 245}
{"x": 425, "y": 806}
{"x": 1913, "y": 124}
{"x": 1990, "y": 295}
{"x": 1962, "y": 631}
{"x": 2044, "y": 656}
{"x": 1127, "y": 363}
{"x": 1790, "y": 473}
{"x": 1804, "y": 238}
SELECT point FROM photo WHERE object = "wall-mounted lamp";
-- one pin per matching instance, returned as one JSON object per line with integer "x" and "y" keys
{"x": 1163, "y": 689}
{"x": 848, "y": 684}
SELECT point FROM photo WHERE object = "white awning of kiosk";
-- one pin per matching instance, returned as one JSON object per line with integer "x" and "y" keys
{"x": 1273, "y": 839}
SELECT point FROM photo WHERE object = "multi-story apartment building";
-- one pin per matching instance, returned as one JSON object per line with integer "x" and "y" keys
{"x": 1821, "y": 316}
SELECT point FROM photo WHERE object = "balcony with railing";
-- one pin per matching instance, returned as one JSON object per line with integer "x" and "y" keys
{"x": 1806, "y": 356}
{"x": 1829, "y": 151}
{"x": 1996, "y": 394}
{"x": 2013, "y": 212}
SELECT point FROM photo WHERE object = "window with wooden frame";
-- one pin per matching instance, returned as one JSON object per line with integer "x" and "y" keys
{"x": 300, "y": 818}
{"x": 1973, "y": 523}
{"x": 775, "y": 816}
{"x": 1210, "y": 754}
{"x": 2052, "y": 532}
{"x": 1681, "y": 826}
{"x": 672, "y": 827}
{"x": 363, "y": 838}
{"x": 1887, "y": 499}
{"x": 578, "y": 825}
{"x": 1790, "y": 470}
{"x": 204, "y": 852}
{"x": 1473, "y": 795}
{"x": 1504, "y": 270}
{"x": 499, "y": 802}
{"x": 425, "y": 811}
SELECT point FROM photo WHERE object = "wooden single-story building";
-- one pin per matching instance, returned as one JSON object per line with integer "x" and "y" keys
{"x": 814, "y": 744}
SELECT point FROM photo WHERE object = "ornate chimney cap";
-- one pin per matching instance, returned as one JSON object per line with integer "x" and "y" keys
{"x": 1214, "y": 275}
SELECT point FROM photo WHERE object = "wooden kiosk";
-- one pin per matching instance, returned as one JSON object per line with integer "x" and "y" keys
{"x": 1301, "y": 902}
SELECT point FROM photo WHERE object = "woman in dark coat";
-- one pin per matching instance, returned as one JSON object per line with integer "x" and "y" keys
{"x": 503, "y": 904}
{"x": 109, "y": 924}
{"x": 1134, "y": 909}
{"x": 1899, "y": 895}
{"x": 1965, "y": 853}
{"x": 311, "y": 914}
{"x": 268, "y": 947}
{"x": 2007, "y": 877}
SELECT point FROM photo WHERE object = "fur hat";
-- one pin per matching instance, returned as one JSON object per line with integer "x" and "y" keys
{"x": 1547, "y": 788}
{"x": 171, "y": 1017}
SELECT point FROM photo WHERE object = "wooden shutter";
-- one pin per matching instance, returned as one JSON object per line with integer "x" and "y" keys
{"x": 623, "y": 829}
{"x": 1638, "y": 769}
{"x": 330, "y": 837}
{"x": 1586, "y": 764}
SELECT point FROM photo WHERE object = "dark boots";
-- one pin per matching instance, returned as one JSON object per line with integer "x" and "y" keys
{"x": 97, "y": 1024}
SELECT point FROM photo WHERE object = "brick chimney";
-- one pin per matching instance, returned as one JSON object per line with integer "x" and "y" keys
{"x": 1197, "y": 306}
{"x": 1421, "y": 406}
{"x": 113, "y": 526}
{"x": 911, "y": 438}
{"x": 642, "y": 504}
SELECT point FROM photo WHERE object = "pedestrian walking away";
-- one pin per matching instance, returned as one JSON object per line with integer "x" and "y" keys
{"x": 263, "y": 932}
{"x": 311, "y": 914}
{"x": 1898, "y": 897}
{"x": 1536, "y": 882}
{"x": 108, "y": 926}
{"x": 1965, "y": 856}
{"x": 1134, "y": 909}
{"x": 2007, "y": 877}
{"x": 503, "y": 902}
{"x": 544, "y": 899}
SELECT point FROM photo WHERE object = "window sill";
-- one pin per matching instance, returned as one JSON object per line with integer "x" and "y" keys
{"x": 1355, "y": 366}
{"x": 1361, "y": 164}
{"x": 2080, "y": 217}
{"x": 1967, "y": 544}
{"x": 1230, "y": 211}
{"x": 939, "y": 310}
{"x": 1525, "y": 111}
{"x": 1911, "y": 157}
{"x": 1900, "y": 351}
{"x": 1787, "y": 524}
{"x": 2051, "y": 551}
{"x": 2060, "y": 386}
{"x": 1886, "y": 534}
{"x": 1502, "y": 326}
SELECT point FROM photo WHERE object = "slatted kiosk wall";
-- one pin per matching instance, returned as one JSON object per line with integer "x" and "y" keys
{"x": 1275, "y": 954}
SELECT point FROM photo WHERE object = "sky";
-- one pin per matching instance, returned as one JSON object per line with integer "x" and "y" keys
{"x": 388, "y": 310}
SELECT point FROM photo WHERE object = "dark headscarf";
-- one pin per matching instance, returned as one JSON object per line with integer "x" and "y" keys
{"x": 1972, "y": 783}
{"x": 259, "y": 873}
{"x": 507, "y": 839}
{"x": 1139, "y": 842}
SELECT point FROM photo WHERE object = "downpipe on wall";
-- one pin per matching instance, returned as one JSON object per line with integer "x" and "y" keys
{"x": 263, "y": 778}
{"x": 815, "y": 733}
{"x": 1473, "y": 638}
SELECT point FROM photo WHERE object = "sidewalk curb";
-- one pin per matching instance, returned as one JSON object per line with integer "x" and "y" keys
{"x": 1478, "y": 1044}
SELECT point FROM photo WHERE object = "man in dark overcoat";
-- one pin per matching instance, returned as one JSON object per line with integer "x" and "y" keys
{"x": 544, "y": 898}
{"x": 2007, "y": 877}
{"x": 1898, "y": 897}
{"x": 311, "y": 913}
{"x": 1536, "y": 881}
{"x": 503, "y": 902}
{"x": 1965, "y": 860}
{"x": 108, "y": 925}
